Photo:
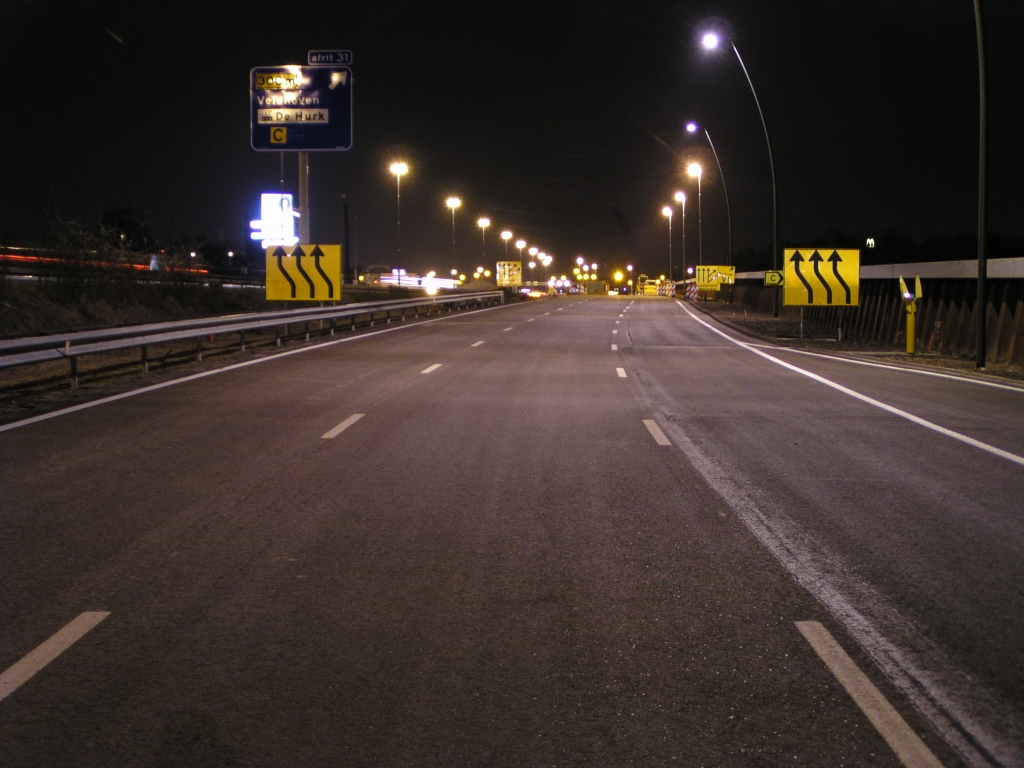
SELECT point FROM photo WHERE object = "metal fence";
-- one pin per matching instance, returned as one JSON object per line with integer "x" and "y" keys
{"x": 71, "y": 346}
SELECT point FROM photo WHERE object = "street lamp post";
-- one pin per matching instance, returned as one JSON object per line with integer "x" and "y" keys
{"x": 710, "y": 42}
{"x": 399, "y": 169}
{"x": 696, "y": 171}
{"x": 520, "y": 244}
{"x": 483, "y": 222}
{"x": 629, "y": 269}
{"x": 667, "y": 212}
{"x": 692, "y": 128}
{"x": 680, "y": 198}
{"x": 980, "y": 308}
{"x": 453, "y": 203}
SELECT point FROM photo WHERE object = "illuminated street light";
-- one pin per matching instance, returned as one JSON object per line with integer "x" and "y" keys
{"x": 680, "y": 197}
{"x": 520, "y": 244}
{"x": 579, "y": 260}
{"x": 532, "y": 264}
{"x": 453, "y": 203}
{"x": 506, "y": 235}
{"x": 534, "y": 250}
{"x": 725, "y": 190}
{"x": 711, "y": 40}
{"x": 691, "y": 127}
{"x": 667, "y": 213}
{"x": 483, "y": 222}
{"x": 694, "y": 169}
{"x": 593, "y": 267}
{"x": 399, "y": 169}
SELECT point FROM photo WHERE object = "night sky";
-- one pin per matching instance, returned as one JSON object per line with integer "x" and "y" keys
{"x": 563, "y": 121}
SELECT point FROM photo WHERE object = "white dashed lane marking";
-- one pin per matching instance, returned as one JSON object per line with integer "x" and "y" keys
{"x": 621, "y": 372}
{"x": 432, "y": 368}
{"x": 887, "y": 721}
{"x": 342, "y": 427}
{"x": 476, "y": 344}
{"x": 656, "y": 433}
{"x": 21, "y": 671}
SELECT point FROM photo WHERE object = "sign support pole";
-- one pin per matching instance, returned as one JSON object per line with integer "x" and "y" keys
{"x": 304, "y": 197}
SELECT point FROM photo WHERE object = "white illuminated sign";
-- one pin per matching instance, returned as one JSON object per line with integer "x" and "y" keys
{"x": 276, "y": 225}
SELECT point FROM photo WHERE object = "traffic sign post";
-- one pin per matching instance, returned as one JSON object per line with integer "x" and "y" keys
{"x": 300, "y": 109}
{"x": 304, "y": 272}
{"x": 821, "y": 277}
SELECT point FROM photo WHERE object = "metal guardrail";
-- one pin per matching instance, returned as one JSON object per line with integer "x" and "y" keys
{"x": 996, "y": 268}
{"x": 71, "y": 346}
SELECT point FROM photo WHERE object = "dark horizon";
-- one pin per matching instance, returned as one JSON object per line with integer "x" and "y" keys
{"x": 565, "y": 124}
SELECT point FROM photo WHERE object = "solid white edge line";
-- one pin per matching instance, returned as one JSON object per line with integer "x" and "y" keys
{"x": 21, "y": 671}
{"x": 232, "y": 367}
{"x": 864, "y": 398}
{"x": 907, "y": 745}
{"x": 342, "y": 427}
{"x": 621, "y": 372}
{"x": 656, "y": 433}
{"x": 476, "y": 344}
{"x": 432, "y": 368}
{"x": 898, "y": 368}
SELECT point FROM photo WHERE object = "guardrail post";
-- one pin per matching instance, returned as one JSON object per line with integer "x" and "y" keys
{"x": 333, "y": 321}
{"x": 306, "y": 327}
{"x": 145, "y": 359}
{"x": 241, "y": 340}
{"x": 277, "y": 335}
{"x": 74, "y": 372}
{"x": 199, "y": 349}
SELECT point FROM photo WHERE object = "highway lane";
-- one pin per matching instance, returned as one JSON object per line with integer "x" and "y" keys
{"x": 497, "y": 563}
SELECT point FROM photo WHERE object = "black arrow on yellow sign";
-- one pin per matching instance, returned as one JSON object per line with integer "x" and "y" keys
{"x": 298, "y": 253}
{"x": 835, "y": 258}
{"x": 816, "y": 260}
{"x": 280, "y": 253}
{"x": 797, "y": 259}
{"x": 317, "y": 254}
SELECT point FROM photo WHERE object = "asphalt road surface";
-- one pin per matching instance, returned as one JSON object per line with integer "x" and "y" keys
{"x": 578, "y": 531}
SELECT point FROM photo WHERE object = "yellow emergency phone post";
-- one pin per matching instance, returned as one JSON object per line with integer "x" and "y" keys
{"x": 910, "y": 304}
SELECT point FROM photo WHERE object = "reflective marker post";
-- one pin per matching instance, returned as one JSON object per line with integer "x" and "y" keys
{"x": 910, "y": 304}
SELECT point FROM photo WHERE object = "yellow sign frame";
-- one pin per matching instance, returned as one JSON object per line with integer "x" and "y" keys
{"x": 508, "y": 274}
{"x": 711, "y": 277}
{"x": 304, "y": 272}
{"x": 813, "y": 286}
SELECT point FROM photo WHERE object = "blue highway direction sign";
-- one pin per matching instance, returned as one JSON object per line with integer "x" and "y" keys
{"x": 330, "y": 57}
{"x": 300, "y": 109}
